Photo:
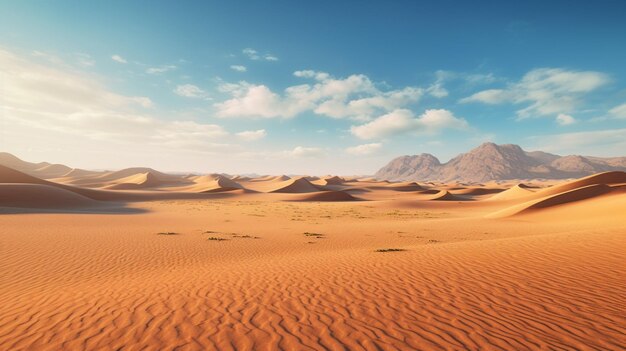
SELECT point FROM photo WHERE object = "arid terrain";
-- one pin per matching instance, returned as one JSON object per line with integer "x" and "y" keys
{"x": 142, "y": 260}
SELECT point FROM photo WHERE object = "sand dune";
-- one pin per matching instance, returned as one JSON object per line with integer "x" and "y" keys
{"x": 330, "y": 180}
{"x": 42, "y": 196}
{"x": 442, "y": 195}
{"x": 205, "y": 264}
{"x": 213, "y": 183}
{"x": 567, "y": 196}
{"x": 477, "y": 191}
{"x": 78, "y": 173}
{"x": 324, "y": 196}
{"x": 52, "y": 171}
{"x": 9, "y": 175}
{"x": 137, "y": 181}
{"x": 405, "y": 186}
{"x": 514, "y": 193}
{"x": 277, "y": 185}
{"x": 616, "y": 177}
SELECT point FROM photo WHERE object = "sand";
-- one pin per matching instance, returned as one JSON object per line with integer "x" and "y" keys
{"x": 288, "y": 264}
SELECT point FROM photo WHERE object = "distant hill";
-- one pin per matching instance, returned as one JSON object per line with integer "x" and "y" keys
{"x": 497, "y": 162}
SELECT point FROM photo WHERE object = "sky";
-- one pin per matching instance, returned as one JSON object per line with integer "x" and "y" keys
{"x": 307, "y": 87}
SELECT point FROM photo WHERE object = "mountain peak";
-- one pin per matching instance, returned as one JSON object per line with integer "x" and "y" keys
{"x": 490, "y": 161}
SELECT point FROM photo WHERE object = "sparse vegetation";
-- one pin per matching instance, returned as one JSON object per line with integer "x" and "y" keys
{"x": 314, "y": 235}
{"x": 214, "y": 238}
{"x": 246, "y": 236}
{"x": 167, "y": 233}
{"x": 389, "y": 250}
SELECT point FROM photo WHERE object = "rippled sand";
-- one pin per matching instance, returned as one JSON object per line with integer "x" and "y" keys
{"x": 112, "y": 282}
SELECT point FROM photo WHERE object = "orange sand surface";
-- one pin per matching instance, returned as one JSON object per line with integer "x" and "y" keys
{"x": 278, "y": 263}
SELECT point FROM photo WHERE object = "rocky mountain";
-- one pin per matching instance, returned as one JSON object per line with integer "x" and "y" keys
{"x": 497, "y": 162}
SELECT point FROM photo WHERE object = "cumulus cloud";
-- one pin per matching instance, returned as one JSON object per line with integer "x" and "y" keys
{"x": 252, "y": 135}
{"x": 354, "y": 97}
{"x": 160, "y": 69}
{"x": 364, "y": 149}
{"x": 238, "y": 68}
{"x": 190, "y": 91}
{"x": 618, "y": 111}
{"x": 403, "y": 121}
{"x": 43, "y": 99}
{"x": 301, "y": 151}
{"x": 547, "y": 91}
{"x": 118, "y": 59}
{"x": 565, "y": 120}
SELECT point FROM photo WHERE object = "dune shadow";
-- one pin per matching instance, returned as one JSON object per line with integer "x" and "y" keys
{"x": 120, "y": 209}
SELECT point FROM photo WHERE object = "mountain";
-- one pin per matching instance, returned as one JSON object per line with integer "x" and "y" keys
{"x": 497, "y": 162}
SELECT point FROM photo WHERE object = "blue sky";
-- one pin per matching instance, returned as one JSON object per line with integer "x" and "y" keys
{"x": 307, "y": 87}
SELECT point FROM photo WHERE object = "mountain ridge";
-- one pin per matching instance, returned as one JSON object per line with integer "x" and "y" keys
{"x": 490, "y": 161}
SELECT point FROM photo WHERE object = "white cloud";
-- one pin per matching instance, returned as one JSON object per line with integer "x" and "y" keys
{"x": 548, "y": 91}
{"x": 565, "y": 120}
{"x": 190, "y": 91}
{"x": 43, "y": 100}
{"x": 404, "y": 121}
{"x": 301, "y": 151}
{"x": 491, "y": 96}
{"x": 364, "y": 149}
{"x": 118, "y": 59}
{"x": 618, "y": 111}
{"x": 252, "y": 135}
{"x": 253, "y": 54}
{"x": 436, "y": 89}
{"x": 160, "y": 69}
{"x": 354, "y": 97}
{"x": 238, "y": 68}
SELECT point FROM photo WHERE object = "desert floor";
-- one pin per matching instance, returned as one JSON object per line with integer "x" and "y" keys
{"x": 307, "y": 275}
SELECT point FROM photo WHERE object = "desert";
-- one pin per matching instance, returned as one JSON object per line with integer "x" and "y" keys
{"x": 312, "y": 175}
{"x": 139, "y": 259}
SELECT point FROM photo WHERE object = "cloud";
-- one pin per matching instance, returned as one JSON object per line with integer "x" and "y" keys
{"x": 301, "y": 151}
{"x": 85, "y": 60}
{"x": 252, "y": 135}
{"x": 48, "y": 57}
{"x": 355, "y": 97}
{"x": 364, "y": 149}
{"x": 610, "y": 142}
{"x": 238, "y": 68}
{"x": 436, "y": 89}
{"x": 546, "y": 91}
{"x": 404, "y": 121}
{"x": 618, "y": 111}
{"x": 160, "y": 69}
{"x": 43, "y": 100}
{"x": 565, "y": 120}
{"x": 253, "y": 54}
{"x": 190, "y": 91}
{"x": 118, "y": 59}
